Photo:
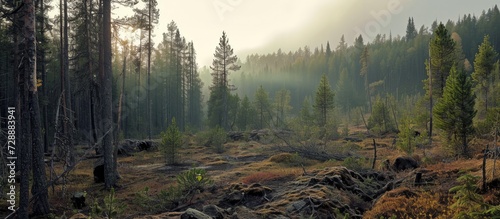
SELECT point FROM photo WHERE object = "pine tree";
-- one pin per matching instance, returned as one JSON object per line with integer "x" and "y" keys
{"x": 263, "y": 107}
{"x": 245, "y": 114}
{"x": 364, "y": 73}
{"x": 411, "y": 32}
{"x": 483, "y": 67}
{"x": 222, "y": 65}
{"x": 282, "y": 106}
{"x": 305, "y": 113}
{"x": 323, "y": 103}
{"x": 171, "y": 143}
{"x": 454, "y": 112}
{"x": 442, "y": 55}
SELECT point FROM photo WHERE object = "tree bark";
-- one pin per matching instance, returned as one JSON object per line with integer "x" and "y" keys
{"x": 107, "y": 114}
{"x": 31, "y": 147}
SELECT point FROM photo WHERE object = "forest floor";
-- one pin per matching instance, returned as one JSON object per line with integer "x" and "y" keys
{"x": 276, "y": 184}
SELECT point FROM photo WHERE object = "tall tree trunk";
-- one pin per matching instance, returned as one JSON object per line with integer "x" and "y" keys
{"x": 149, "y": 70}
{"x": 88, "y": 15}
{"x": 430, "y": 97}
{"x": 107, "y": 101}
{"x": 44, "y": 80}
{"x": 24, "y": 140}
{"x": 67, "y": 93}
{"x": 39, "y": 189}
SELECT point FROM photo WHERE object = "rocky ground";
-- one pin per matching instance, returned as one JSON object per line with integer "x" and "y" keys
{"x": 256, "y": 178}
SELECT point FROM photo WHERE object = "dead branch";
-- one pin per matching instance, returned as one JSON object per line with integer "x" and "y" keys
{"x": 309, "y": 151}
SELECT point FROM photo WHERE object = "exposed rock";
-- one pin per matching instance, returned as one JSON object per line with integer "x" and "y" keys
{"x": 235, "y": 136}
{"x": 79, "y": 216}
{"x": 194, "y": 214}
{"x": 404, "y": 163}
{"x": 214, "y": 211}
{"x": 249, "y": 196}
{"x": 296, "y": 206}
{"x": 242, "y": 212}
{"x": 352, "y": 139}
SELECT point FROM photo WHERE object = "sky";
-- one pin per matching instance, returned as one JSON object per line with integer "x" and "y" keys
{"x": 264, "y": 26}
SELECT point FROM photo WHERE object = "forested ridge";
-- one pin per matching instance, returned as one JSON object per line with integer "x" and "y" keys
{"x": 396, "y": 64}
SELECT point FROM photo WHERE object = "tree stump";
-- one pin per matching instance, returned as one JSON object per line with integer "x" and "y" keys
{"x": 78, "y": 200}
{"x": 418, "y": 179}
{"x": 99, "y": 171}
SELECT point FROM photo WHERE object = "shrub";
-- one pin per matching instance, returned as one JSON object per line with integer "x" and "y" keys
{"x": 217, "y": 139}
{"x": 189, "y": 183}
{"x": 355, "y": 163}
{"x": 380, "y": 120}
{"x": 193, "y": 181}
{"x": 111, "y": 208}
{"x": 171, "y": 141}
{"x": 468, "y": 204}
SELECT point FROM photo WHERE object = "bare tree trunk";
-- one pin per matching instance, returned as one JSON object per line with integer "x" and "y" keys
{"x": 31, "y": 147}
{"x": 374, "y": 154}
{"x": 496, "y": 153}
{"x": 149, "y": 71}
{"x": 107, "y": 111}
{"x": 484, "y": 169}
{"x": 430, "y": 98}
{"x": 24, "y": 138}
{"x": 67, "y": 93}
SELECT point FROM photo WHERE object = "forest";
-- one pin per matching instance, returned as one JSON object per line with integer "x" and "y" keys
{"x": 81, "y": 91}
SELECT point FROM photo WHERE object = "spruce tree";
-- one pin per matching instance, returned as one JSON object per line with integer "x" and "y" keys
{"x": 222, "y": 65}
{"x": 263, "y": 107}
{"x": 323, "y": 102}
{"x": 455, "y": 111}
{"x": 484, "y": 64}
{"x": 442, "y": 55}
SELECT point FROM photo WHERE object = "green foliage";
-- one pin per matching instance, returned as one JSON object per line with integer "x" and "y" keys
{"x": 406, "y": 136}
{"x": 323, "y": 101}
{"x": 305, "y": 114}
{"x": 193, "y": 181}
{"x": 442, "y": 49}
{"x": 246, "y": 115}
{"x": 380, "y": 120}
{"x": 282, "y": 107}
{"x": 490, "y": 123}
{"x": 484, "y": 64}
{"x": 217, "y": 138}
{"x": 454, "y": 112}
{"x": 171, "y": 141}
{"x": 262, "y": 106}
{"x": 144, "y": 199}
{"x": 111, "y": 208}
{"x": 220, "y": 90}
{"x": 356, "y": 163}
{"x": 468, "y": 203}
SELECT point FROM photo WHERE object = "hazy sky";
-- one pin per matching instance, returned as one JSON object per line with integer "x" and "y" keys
{"x": 264, "y": 26}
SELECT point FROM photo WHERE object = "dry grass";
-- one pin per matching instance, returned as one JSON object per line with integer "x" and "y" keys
{"x": 269, "y": 176}
{"x": 404, "y": 203}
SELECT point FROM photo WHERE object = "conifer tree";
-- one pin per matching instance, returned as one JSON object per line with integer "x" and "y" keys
{"x": 442, "y": 55}
{"x": 263, "y": 107}
{"x": 411, "y": 32}
{"x": 455, "y": 111}
{"x": 483, "y": 66}
{"x": 245, "y": 114}
{"x": 282, "y": 106}
{"x": 323, "y": 102}
{"x": 222, "y": 65}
